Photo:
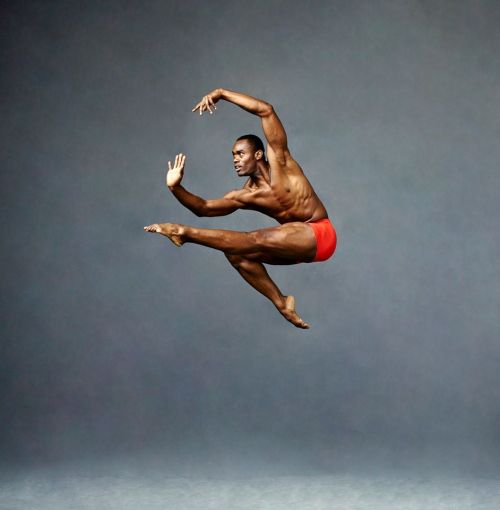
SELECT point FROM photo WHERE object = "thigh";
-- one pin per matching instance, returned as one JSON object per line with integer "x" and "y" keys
{"x": 290, "y": 243}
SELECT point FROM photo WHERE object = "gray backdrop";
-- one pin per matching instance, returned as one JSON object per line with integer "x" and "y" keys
{"x": 115, "y": 341}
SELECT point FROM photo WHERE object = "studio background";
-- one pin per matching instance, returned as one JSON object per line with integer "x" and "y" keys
{"x": 115, "y": 342}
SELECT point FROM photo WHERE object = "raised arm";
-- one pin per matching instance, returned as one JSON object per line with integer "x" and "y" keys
{"x": 271, "y": 124}
{"x": 199, "y": 206}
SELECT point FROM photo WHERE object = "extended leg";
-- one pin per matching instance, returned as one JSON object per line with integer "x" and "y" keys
{"x": 290, "y": 243}
{"x": 256, "y": 275}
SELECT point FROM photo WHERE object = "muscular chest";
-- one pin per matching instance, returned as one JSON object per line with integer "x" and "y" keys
{"x": 272, "y": 200}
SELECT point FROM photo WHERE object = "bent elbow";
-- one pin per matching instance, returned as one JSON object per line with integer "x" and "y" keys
{"x": 200, "y": 214}
{"x": 266, "y": 109}
{"x": 202, "y": 209}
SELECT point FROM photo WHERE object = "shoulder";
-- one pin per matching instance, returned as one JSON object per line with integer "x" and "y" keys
{"x": 238, "y": 195}
{"x": 247, "y": 198}
{"x": 282, "y": 159}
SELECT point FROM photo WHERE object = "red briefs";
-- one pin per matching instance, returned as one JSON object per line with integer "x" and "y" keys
{"x": 326, "y": 239}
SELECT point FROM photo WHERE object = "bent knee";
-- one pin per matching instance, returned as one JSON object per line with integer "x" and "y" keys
{"x": 234, "y": 260}
{"x": 237, "y": 261}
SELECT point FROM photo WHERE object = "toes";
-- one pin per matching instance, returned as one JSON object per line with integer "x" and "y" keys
{"x": 297, "y": 321}
{"x": 301, "y": 324}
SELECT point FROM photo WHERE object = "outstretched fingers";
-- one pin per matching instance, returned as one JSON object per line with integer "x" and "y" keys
{"x": 179, "y": 161}
{"x": 206, "y": 104}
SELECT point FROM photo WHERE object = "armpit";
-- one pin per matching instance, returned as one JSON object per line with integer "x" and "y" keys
{"x": 278, "y": 155}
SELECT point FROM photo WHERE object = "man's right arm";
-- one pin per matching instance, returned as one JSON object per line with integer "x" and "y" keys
{"x": 201, "y": 207}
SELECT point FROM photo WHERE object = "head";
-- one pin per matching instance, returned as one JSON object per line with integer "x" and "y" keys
{"x": 248, "y": 151}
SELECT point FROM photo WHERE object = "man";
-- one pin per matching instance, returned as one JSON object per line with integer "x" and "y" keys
{"x": 275, "y": 186}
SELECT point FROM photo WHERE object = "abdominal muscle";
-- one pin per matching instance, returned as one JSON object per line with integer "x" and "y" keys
{"x": 290, "y": 205}
{"x": 288, "y": 195}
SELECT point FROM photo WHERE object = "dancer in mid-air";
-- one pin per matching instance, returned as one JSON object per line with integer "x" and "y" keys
{"x": 275, "y": 186}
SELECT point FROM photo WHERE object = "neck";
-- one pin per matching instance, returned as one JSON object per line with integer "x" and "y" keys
{"x": 262, "y": 173}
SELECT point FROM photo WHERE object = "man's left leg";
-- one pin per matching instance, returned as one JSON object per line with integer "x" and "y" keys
{"x": 288, "y": 244}
{"x": 255, "y": 274}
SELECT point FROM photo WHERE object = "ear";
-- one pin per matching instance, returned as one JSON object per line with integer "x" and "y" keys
{"x": 259, "y": 154}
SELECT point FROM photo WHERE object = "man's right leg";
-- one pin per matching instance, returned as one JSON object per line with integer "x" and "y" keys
{"x": 289, "y": 243}
{"x": 256, "y": 275}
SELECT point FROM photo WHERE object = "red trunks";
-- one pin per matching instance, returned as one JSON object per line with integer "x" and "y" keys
{"x": 326, "y": 239}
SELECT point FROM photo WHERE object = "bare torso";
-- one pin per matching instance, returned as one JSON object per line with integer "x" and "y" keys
{"x": 284, "y": 193}
{"x": 276, "y": 187}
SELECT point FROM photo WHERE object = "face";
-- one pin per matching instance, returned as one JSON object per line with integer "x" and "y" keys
{"x": 244, "y": 160}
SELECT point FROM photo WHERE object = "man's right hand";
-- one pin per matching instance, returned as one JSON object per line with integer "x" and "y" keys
{"x": 207, "y": 102}
{"x": 175, "y": 173}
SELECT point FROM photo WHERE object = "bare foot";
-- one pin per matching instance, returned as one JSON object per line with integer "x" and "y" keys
{"x": 291, "y": 315}
{"x": 171, "y": 230}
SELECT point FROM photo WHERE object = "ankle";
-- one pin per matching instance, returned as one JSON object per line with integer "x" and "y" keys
{"x": 280, "y": 303}
{"x": 180, "y": 230}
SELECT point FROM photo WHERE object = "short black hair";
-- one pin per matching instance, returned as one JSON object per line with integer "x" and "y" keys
{"x": 254, "y": 140}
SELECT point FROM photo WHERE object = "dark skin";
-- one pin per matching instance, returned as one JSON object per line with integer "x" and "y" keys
{"x": 276, "y": 187}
